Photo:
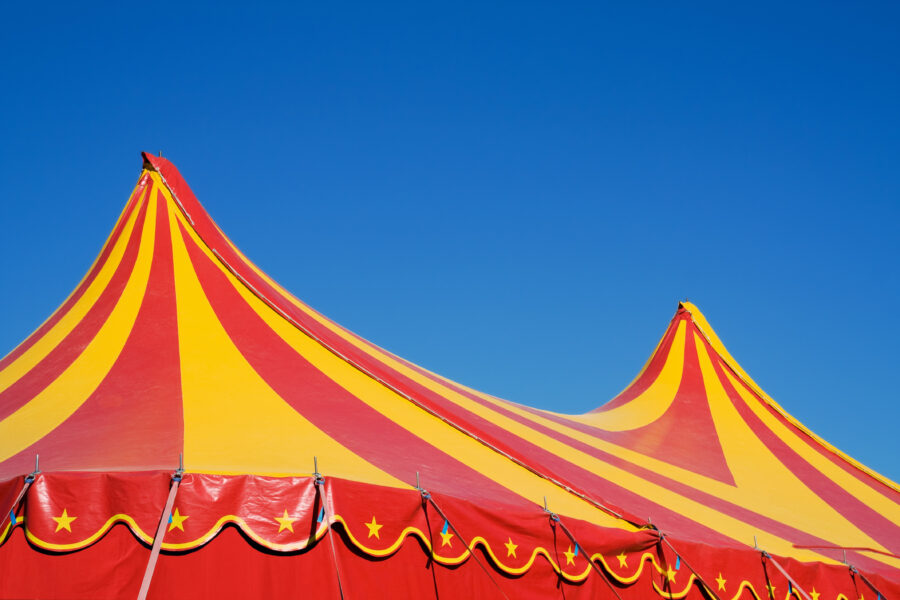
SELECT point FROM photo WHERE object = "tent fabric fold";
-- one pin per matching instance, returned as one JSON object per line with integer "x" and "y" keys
{"x": 175, "y": 344}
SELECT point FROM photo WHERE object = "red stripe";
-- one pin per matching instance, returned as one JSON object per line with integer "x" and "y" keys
{"x": 62, "y": 356}
{"x": 831, "y": 456}
{"x": 134, "y": 419}
{"x": 85, "y": 284}
{"x": 685, "y": 435}
{"x": 872, "y": 523}
{"x": 331, "y": 408}
{"x": 653, "y": 369}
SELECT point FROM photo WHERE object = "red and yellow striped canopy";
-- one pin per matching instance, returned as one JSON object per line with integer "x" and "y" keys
{"x": 175, "y": 343}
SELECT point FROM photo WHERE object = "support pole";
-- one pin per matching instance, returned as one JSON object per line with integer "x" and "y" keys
{"x": 319, "y": 481}
{"x": 161, "y": 530}
{"x": 29, "y": 479}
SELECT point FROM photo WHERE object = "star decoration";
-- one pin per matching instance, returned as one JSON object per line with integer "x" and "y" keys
{"x": 814, "y": 594}
{"x": 374, "y": 527}
{"x": 64, "y": 521}
{"x": 445, "y": 539}
{"x": 721, "y": 581}
{"x": 771, "y": 589}
{"x": 177, "y": 520}
{"x": 570, "y": 556}
{"x": 670, "y": 574}
{"x": 623, "y": 560}
{"x": 511, "y": 548}
{"x": 285, "y": 522}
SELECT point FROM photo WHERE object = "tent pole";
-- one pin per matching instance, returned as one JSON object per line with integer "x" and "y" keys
{"x": 554, "y": 518}
{"x": 790, "y": 579}
{"x": 319, "y": 482}
{"x": 29, "y": 479}
{"x": 161, "y": 530}
{"x": 427, "y": 497}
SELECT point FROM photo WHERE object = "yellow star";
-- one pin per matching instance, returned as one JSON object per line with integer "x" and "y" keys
{"x": 177, "y": 520}
{"x": 815, "y": 595}
{"x": 670, "y": 574}
{"x": 570, "y": 556}
{"x": 64, "y": 521}
{"x": 373, "y": 528}
{"x": 285, "y": 522}
{"x": 721, "y": 581}
{"x": 511, "y": 548}
{"x": 771, "y": 589}
{"x": 445, "y": 539}
{"x": 623, "y": 560}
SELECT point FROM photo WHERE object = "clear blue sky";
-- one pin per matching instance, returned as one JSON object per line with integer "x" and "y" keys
{"x": 515, "y": 196}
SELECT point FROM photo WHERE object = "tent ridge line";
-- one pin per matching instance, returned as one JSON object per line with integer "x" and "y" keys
{"x": 148, "y": 165}
{"x": 762, "y": 395}
{"x": 407, "y": 397}
{"x": 374, "y": 377}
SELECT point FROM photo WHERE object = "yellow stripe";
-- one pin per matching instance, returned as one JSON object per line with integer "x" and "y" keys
{"x": 40, "y": 349}
{"x": 234, "y": 422}
{"x": 768, "y": 486}
{"x": 732, "y": 364}
{"x": 863, "y": 493}
{"x": 640, "y": 373}
{"x": 653, "y": 402}
{"x": 417, "y": 421}
{"x": 55, "y": 403}
{"x": 96, "y": 260}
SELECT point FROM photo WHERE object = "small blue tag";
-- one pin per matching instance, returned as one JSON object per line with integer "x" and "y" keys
{"x": 576, "y": 549}
{"x": 170, "y": 517}
{"x": 446, "y": 525}
{"x": 677, "y": 562}
{"x": 12, "y": 517}
{"x": 321, "y": 515}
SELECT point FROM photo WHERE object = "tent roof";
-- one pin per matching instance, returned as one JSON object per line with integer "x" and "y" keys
{"x": 175, "y": 342}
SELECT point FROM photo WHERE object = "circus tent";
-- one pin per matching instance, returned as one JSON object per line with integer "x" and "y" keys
{"x": 182, "y": 426}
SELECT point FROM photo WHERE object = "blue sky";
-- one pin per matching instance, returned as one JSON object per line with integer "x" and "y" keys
{"x": 515, "y": 196}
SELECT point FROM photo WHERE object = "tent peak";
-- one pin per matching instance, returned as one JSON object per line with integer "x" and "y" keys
{"x": 696, "y": 322}
{"x": 157, "y": 163}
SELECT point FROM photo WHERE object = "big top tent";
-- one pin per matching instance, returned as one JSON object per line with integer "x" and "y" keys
{"x": 182, "y": 426}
